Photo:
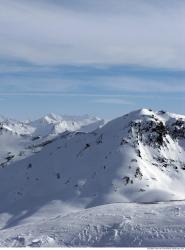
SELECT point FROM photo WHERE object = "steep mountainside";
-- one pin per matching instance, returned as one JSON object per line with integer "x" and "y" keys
{"x": 138, "y": 157}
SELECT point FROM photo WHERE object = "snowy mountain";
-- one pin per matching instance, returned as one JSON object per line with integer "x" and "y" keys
{"x": 18, "y": 138}
{"x": 139, "y": 157}
{"x": 50, "y": 124}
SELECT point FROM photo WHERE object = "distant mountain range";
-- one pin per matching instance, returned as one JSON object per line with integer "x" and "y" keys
{"x": 21, "y": 138}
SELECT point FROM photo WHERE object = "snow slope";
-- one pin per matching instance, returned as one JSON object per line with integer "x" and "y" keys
{"x": 17, "y": 138}
{"x": 113, "y": 225}
{"x": 139, "y": 157}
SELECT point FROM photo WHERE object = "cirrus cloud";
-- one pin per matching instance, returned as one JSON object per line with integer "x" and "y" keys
{"x": 107, "y": 32}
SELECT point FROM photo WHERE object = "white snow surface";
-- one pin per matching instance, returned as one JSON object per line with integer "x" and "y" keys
{"x": 51, "y": 124}
{"x": 113, "y": 225}
{"x": 17, "y": 138}
{"x": 52, "y": 193}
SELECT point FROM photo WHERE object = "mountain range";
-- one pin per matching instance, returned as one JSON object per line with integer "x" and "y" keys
{"x": 58, "y": 165}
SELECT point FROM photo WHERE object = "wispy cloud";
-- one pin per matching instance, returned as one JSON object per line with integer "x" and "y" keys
{"x": 113, "y": 101}
{"x": 90, "y": 85}
{"x": 37, "y": 85}
{"x": 87, "y": 55}
{"x": 128, "y": 99}
{"x": 147, "y": 33}
{"x": 139, "y": 84}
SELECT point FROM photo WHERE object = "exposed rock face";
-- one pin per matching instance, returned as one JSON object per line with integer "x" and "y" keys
{"x": 137, "y": 157}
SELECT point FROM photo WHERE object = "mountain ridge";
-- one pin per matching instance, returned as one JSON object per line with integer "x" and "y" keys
{"x": 137, "y": 157}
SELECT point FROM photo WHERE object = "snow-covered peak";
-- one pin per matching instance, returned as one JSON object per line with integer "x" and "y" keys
{"x": 146, "y": 117}
{"x": 49, "y": 118}
{"x": 55, "y": 124}
{"x": 51, "y": 124}
{"x": 20, "y": 137}
{"x": 136, "y": 157}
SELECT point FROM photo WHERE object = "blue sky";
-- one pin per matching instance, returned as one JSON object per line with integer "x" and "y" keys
{"x": 102, "y": 57}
